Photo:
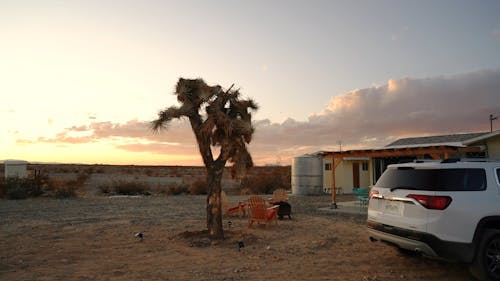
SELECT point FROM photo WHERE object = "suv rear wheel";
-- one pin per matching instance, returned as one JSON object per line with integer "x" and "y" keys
{"x": 486, "y": 264}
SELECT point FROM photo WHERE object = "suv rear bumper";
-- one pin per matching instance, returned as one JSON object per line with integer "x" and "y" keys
{"x": 424, "y": 243}
{"x": 402, "y": 242}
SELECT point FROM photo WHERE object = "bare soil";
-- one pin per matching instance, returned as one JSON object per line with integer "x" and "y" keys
{"x": 93, "y": 239}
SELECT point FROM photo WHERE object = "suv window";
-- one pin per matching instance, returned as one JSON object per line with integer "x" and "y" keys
{"x": 434, "y": 179}
{"x": 498, "y": 175}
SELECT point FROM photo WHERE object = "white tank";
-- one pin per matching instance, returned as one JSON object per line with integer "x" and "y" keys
{"x": 16, "y": 168}
{"x": 307, "y": 175}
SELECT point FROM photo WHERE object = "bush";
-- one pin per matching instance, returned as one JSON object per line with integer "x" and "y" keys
{"x": 63, "y": 188}
{"x": 149, "y": 173}
{"x": 177, "y": 189}
{"x": 82, "y": 178}
{"x": 198, "y": 187}
{"x": 105, "y": 189}
{"x": 263, "y": 184}
{"x": 16, "y": 188}
{"x": 131, "y": 188}
{"x": 125, "y": 188}
{"x": 161, "y": 189}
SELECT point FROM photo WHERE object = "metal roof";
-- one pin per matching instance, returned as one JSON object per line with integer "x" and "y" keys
{"x": 454, "y": 140}
{"x": 481, "y": 138}
{"x": 12, "y": 162}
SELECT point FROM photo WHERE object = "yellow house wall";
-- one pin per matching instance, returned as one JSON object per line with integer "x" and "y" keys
{"x": 493, "y": 147}
{"x": 364, "y": 176}
{"x": 343, "y": 176}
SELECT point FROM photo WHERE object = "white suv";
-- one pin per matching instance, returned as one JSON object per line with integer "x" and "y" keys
{"x": 448, "y": 209}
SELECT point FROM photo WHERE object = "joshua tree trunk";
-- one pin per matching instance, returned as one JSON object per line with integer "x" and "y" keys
{"x": 215, "y": 169}
{"x": 214, "y": 212}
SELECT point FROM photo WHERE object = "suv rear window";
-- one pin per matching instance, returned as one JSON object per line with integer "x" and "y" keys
{"x": 433, "y": 179}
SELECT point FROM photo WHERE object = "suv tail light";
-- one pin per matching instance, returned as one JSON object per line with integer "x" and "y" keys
{"x": 432, "y": 202}
{"x": 373, "y": 192}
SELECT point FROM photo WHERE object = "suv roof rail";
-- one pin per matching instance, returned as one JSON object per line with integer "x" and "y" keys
{"x": 454, "y": 160}
{"x": 451, "y": 160}
{"x": 425, "y": 161}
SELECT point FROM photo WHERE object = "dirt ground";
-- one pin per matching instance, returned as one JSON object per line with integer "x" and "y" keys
{"x": 93, "y": 239}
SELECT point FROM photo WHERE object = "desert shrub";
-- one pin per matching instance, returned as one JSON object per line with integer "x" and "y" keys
{"x": 2, "y": 188}
{"x": 82, "y": 178}
{"x": 65, "y": 192}
{"x": 60, "y": 188}
{"x": 129, "y": 171}
{"x": 160, "y": 189}
{"x": 198, "y": 187}
{"x": 177, "y": 189}
{"x": 105, "y": 188}
{"x": 149, "y": 173}
{"x": 125, "y": 188}
{"x": 16, "y": 188}
{"x": 131, "y": 188}
{"x": 100, "y": 170}
{"x": 176, "y": 172}
{"x": 263, "y": 184}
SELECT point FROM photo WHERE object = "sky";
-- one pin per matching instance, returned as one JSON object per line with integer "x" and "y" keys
{"x": 81, "y": 80}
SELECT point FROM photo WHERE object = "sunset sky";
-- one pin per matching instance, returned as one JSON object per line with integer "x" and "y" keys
{"x": 80, "y": 80}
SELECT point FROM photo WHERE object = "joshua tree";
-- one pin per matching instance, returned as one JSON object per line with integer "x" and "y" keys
{"x": 225, "y": 127}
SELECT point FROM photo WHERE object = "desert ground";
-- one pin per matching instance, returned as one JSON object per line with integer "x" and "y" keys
{"x": 93, "y": 239}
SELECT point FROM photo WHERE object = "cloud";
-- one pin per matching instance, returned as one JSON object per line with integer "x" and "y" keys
{"x": 496, "y": 33}
{"x": 363, "y": 118}
{"x": 408, "y": 107}
{"x": 375, "y": 116}
{"x": 178, "y": 132}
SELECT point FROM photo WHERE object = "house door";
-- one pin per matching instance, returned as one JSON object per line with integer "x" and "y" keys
{"x": 355, "y": 174}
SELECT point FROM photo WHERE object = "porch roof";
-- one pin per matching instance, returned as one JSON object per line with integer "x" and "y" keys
{"x": 432, "y": 150}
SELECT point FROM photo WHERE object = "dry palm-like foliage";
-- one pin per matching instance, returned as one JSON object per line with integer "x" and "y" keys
{"x": 226, "y": 123}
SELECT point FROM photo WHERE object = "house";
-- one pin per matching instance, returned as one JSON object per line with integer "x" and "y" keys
{"x": 344, "y": 170}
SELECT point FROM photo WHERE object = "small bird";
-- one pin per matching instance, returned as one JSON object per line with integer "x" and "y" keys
{"x": 229, "y": 223}
{"x": 139, "y": 235}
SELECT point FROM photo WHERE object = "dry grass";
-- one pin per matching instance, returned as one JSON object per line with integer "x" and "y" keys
{"x": 93, "y": 239}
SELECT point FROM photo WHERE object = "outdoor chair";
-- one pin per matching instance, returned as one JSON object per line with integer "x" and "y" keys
{"x": 362, "y": 195}
{"x": 229, "y": 209}
{"x": 259, "y": 212}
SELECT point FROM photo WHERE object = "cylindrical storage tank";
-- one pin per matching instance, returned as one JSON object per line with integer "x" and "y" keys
{"x": 307, "y": 175}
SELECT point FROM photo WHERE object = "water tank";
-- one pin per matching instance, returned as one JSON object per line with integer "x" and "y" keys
{"x": 307, "y": 175}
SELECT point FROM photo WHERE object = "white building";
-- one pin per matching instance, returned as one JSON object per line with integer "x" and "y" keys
{"x": 16, "y": 169}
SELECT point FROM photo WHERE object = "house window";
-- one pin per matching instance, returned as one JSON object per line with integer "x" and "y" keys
{"x": 364, "y": 166}
{"x": 328, "y": 166}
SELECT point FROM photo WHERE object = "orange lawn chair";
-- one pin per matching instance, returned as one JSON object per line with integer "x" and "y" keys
{"x": 230, "y": 209}
{"x": 259, "y": 213}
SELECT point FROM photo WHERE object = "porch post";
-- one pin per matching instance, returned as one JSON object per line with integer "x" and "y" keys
{"x": 334, "y": 191}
